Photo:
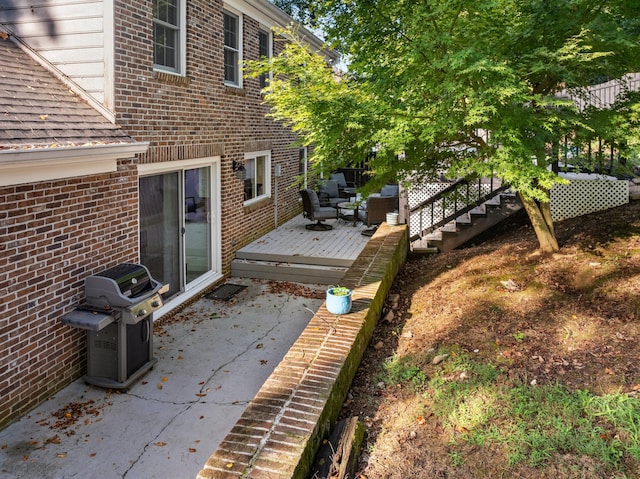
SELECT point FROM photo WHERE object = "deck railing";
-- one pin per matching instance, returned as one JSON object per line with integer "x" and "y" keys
{"x": 451, "y": 202}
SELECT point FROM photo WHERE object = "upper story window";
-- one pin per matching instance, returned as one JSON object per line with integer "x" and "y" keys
{"x": 257, "y": 183}
{"x": 264, "y": 50}
{"x": 232, "y": 49}
{"x": 169, "y": 35}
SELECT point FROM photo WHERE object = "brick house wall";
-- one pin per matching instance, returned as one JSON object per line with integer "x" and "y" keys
{"x": 53, "y": 234}
{"x": 197, "y": 115}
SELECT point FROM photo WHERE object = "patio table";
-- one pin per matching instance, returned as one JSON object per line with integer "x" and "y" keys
{"x": 354, "y": 206}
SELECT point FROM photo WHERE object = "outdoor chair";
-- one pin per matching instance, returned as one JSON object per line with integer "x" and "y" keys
{"x": 343, "y": 185}
{"x": 314, "y": 212}
{"x": 379, "y": 205}
{"x": 329, "y": 194}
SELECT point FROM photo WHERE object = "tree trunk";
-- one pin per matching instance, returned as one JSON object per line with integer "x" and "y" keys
{"x": 540, "y": 216}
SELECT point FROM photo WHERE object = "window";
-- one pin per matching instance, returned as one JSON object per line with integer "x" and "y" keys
{"x": 264, "y": 50}
{"x": 232, "y": 53}
{"x": 169, "y": 35}
{"x": 257, "y": 183}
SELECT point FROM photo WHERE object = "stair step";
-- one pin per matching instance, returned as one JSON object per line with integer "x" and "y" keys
{"x": 495, "y": 201}
{"x": 464, "y": 219}
{"x": 450, "y": 227}
{"x": 280, "y": 271}
{"x": 479, "y": 210}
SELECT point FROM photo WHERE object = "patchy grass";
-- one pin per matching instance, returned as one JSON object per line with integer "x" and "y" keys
{"x": 501, "y": 362}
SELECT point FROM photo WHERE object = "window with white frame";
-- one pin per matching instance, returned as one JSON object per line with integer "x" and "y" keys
{"x": 257, "y": 183}
{"x": 232, "y": 50}
{"x": 264, "y": 51}
{"x": 169, "y": 19}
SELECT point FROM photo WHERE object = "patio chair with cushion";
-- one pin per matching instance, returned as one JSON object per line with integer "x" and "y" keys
{"x": 379, "y": 206}
{"x": 329, "y": 194}
{"x": 343, "y": 185}
{"x": 314, "y": 212}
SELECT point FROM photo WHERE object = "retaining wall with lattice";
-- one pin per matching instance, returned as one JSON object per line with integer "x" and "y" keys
{"x": 581, "y": 197}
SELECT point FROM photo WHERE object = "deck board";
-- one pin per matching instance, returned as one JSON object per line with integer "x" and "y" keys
{"x": 293, "y": 243}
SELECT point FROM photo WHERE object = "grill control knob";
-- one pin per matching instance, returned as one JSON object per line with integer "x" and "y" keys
{"x": 141, "y": 313}
{"x": 155, "y": 304}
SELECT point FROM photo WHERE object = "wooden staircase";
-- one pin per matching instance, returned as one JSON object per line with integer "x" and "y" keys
{"x": 469, "y": 225}
{"x": 458, "y": 213}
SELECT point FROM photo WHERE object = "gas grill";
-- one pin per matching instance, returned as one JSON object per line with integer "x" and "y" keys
{"x": 117, "y": 315}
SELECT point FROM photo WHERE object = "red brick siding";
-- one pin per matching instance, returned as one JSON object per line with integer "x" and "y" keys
{"x": 200, "y": 112}
{"x": 53, "y": 234}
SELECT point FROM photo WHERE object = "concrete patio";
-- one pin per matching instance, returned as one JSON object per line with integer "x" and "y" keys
{"x": 213, "y": 356}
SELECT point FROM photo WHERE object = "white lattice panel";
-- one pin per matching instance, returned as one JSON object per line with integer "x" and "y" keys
{"x": 582, "y": 197}
{"x": 419, "y": 193}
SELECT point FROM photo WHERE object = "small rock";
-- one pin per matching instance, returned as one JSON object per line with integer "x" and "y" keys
{"x": 439, "y": 358}
{"x": 381, "y": 385}
{"x": 394, "y": 298}
{"x": 389, "y": 317}
{"x": 534, "y": 382}
{"x": 464, "y": 376}
{"x": 413, "y": 435}
{"x": 509, "y": 285}
{"x": 378, "y": 345}
{"x": 407, "y": 334}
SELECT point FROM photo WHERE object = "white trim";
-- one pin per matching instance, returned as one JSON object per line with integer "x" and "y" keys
{"x": 214, "y": 163}
{"x": 44, "y": 164}
{"x": 147, "y": 169}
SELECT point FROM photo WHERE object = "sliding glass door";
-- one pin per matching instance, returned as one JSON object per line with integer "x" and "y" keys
{"x": 175, "y": 226}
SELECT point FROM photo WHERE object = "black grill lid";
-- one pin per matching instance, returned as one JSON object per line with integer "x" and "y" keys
{"x": 120, "y": 286}
{"x": 132, "y": 279}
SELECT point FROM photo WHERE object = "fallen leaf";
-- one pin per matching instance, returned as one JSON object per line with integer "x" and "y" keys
{"x": 259, "y": 346}
{"x": 160, "y": 443}
{"x": 164, "y": 379}
{"x": 263, "y": 361}
{"x": 61, "y": 455}
{"x": 93, "y": 454}
{"x": 200, "y": 395}
{"x": 192, "y": 449}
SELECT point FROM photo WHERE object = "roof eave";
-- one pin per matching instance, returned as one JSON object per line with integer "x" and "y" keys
{"x": 28, "y": 165}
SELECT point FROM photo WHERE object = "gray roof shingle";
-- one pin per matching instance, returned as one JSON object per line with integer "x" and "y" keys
{"x": 38, "y": 110}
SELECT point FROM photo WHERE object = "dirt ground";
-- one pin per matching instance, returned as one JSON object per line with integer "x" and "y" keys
{"x": 571, "y": 318}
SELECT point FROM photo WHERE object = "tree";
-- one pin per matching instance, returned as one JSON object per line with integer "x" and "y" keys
{"x": 465, "y": 88}
{"x": 303, "y": 11}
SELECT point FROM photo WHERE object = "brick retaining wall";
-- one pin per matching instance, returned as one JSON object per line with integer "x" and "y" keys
{"x": 282, "y": 428}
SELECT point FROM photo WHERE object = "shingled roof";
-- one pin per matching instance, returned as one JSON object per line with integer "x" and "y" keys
{"x": 38, "y": 111}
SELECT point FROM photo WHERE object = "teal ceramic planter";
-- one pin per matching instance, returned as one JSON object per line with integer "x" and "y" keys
{"x": 338, "y": 304}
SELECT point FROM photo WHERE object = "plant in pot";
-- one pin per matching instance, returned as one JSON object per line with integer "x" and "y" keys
{"x": 338, "y": 300}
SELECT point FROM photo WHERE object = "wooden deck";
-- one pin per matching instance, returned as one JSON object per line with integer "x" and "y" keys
{"x": 293, "y": 253}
